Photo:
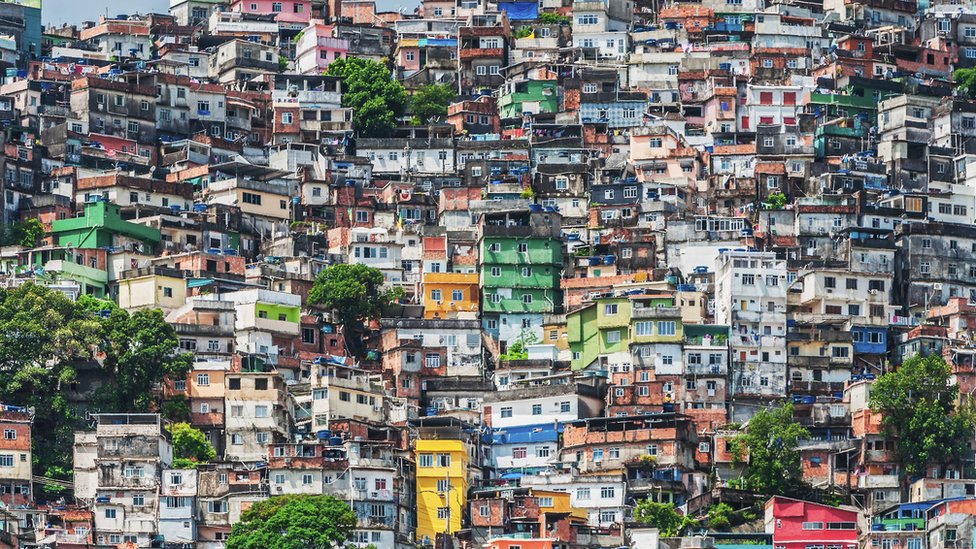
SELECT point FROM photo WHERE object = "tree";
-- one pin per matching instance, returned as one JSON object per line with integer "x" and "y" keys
{"x": 45, "y": 338}
{"x": 550, "y": 18}
{"x": 918, "y": 406}
{"x": 776, "y": 201}
{"x": 720, "y": 517}
{"x": 354, "y": 292}
{"x": 965, "y": 80}
{"x": 663, "y": 516}
{"x": 518, "y": 350}
{"x": 22, "y": 233}
{"x": 370, "y": 90}
{"x": 431, "y": 101}
{"x": 293, "y": 522}
{"x": 141, "y": 349}
{"x": 28, "y": 233}
{"x": 190, "y": 447}
{"x": 771, "y": 438}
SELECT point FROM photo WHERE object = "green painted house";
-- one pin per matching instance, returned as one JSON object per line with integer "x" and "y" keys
{"x": 614, "y": 329}
{"x": 537, "y": 96}
{"x": 521, "y": 261}
{"x": 101, "y": 226}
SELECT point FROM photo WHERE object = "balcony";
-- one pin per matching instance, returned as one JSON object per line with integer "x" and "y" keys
{"x": 655, "y": 312}
{"x": 209, "y": 419}
{"x": 277, "y": 326}
{"x": 479, "y": 53}
{"x": 771, "y": 317}
{"x": 203, "y": 330}
{"x": 706, "y": 369}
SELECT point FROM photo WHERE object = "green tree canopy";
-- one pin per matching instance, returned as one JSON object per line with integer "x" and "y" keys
{"x": 45, "y": 338}
{"x": 25, "y": 233}
{"x": 431, "y": 101}
{"x": 293, "y": 522}
{"x": 918, "y": 405}
{"x": 771, "y": 438}
{"x": 663, "y": 516}
{"x": 141, "y": 349}
{"x": 550, "y": 18}
{"x": 190, "y": 447}
{"x": 965, "y": 80}
{"x": 354, "y": 292}
{"x": 375, "y": 97}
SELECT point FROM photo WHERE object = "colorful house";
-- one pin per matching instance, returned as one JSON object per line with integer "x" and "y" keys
{"x": 798, "y": 524}
{"x": 521, "y": 263}
{"x": 606, "y": 330}
{"x": 451, "y": 295}
{"x": 102, "y": 226}
{"x": 442, "y": 486}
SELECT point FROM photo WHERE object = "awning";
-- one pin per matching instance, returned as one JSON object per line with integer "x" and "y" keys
{"x": 199, "y": 282}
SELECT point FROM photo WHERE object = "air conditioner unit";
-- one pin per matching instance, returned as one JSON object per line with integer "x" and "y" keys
{"x": 374, "y": 495}
{"x": 873, "y": 292}
{"x": 937, "y": 286}
{"x": 287, "y": 461}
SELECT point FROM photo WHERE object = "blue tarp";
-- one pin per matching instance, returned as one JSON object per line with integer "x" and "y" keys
{"x": 530, "y": 433}
{"x": 437, "y": 42}
{"x": 520, "y": 11}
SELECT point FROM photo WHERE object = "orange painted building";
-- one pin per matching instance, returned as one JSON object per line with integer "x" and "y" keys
{"x": 450, "y": 295}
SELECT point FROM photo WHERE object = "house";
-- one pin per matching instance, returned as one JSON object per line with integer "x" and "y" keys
{"x": 796, "y": 523}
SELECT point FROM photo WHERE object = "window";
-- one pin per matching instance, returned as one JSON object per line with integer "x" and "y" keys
{"x": 613, "y": 336}
{"x": 203, "y": 380}
{"x": 506, "y": 411}
{"x": 812, "y": 526}
{"x": 110, "y": 513}
{"x": 443, "y": 460}
{"x": 276, "y": 7}
{"x": 537, "y": 409}
{"x": 527, "y": 299}
{"x": 666, "y": 328}
{"x": 426, "y": 460}
{"x": 9, "y": 434}
{"x": 643, "y": 328}
{"x": 607, "y": 492}
{"x": 286, "y": 118}
{"x": 841, "y": 526}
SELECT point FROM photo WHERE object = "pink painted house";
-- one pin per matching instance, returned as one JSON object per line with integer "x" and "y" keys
{"x": 798, "y": 524}
{"x": 317, "y": 47}
{"x": 287, "y": 11}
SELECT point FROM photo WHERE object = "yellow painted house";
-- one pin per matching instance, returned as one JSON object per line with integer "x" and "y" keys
{"x": 451, "y": 295}
{"x": 442, "y": 486}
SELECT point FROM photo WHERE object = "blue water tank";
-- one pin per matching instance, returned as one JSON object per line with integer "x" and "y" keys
{"x": 335, "y": 441}
{"x": 324, "y": 434}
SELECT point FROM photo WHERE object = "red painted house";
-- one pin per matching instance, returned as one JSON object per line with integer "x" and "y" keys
{"x": 798, "y": 524}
